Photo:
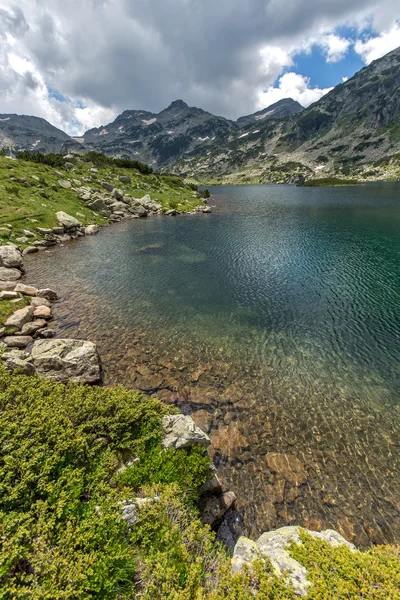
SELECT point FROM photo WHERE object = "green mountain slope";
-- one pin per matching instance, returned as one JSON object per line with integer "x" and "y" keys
{"x": 352, "y": 131}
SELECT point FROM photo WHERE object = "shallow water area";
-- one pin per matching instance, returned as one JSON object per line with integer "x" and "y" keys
{"x": 275, "y": 321}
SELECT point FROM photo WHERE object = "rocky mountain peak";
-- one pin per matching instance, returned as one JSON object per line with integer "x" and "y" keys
{"x": 177, "y": 105}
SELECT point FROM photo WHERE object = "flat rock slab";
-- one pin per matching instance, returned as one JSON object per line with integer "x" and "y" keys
{"x": 39, "y": 301}
{"x": 180, "y": 431}
{"x": 67, "y": 360}
{"x": 8, "y": 275}
{"x": 7, "y": 285}
{"x": 27, "y": 290}
{"x": 63, "y": 183}
{"x": 20, "y": 317}
{"x": 8, "y": 295}
{"x": 18, "y": 341}
{"x": 42, "y": 312}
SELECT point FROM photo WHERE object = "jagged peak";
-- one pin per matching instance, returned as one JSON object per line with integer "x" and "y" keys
{"x": 177, "y": 104}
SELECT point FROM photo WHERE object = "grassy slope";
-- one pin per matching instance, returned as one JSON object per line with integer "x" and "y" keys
{"x": 26, "y": 207}
{"x": 61, "y": 532}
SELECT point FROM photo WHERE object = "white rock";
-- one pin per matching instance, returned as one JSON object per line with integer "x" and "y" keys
{"x": 10, "y": 257}
{"x": 180, "y": 431}
{"x": 274, "y": 545}
{"x": 92, "y": 229}
{"x": 67, "y": 221}
{"x": 27, "y": 290}
{"x": 67, "y": 360}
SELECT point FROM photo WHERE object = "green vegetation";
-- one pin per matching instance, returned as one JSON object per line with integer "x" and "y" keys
{"x": 30, "y": 194}
{"x": 71, "y": 455}
{"x": 328, "y": 181}
{"x": 7, "y": 308}
{"x": 98, "y": 159}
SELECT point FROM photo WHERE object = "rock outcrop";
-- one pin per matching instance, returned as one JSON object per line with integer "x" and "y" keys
{"x": 274, "y": 546}
{"x": 67, "y": 360}
{"x": 180, "y": 431}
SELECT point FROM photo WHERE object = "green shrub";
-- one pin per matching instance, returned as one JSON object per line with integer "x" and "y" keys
{"x": 62, "y": 536}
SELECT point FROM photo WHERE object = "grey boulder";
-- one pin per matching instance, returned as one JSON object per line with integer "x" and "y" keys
{"x": 9, "y": 274}
{"x": 10, "y": 257}
{"x": 18, "y": 341}
{"x": 47, "y": 293}
{"x": 92, "y": 229}
{"x": 274, "y": 545}
{"x": 20, "y": 317}
{"x": 17, "y": 360}
{"x": 67, "y": 221}
{"x": 180, "y": 431}
{"x": 67, "y": 360}
{"x": 64, "y": 184}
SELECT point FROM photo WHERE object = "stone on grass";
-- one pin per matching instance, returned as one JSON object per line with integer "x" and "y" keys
{"x": 26, "y": 290}
{"x": 20, "y": 317}
{"x": 125, "y": 179}
{"x": 274, "y": 545}
{"x": 107, "y": 186}
{"x": 67, "y": 221}
{"x": 10, "y": 257}
{"x": 63, "y": 183}
{"x": 91, "y": 229}
{"x": 42, "y": 312}
{"x": 18, "y": 341}
{"x": 180, "y": 431}
{"x": 67, "y": 360}
{"x": 47, "y": 293}
{"x": 8, "y": 295}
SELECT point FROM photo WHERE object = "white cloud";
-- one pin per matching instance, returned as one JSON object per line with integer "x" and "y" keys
{"x": 291, "y": 85}
{"x": 105, "y": 56}
{"x": 374, "y": 47}
{"x": 335, "y": 47}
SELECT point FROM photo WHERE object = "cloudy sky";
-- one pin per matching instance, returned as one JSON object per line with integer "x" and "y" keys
{"x": 79, "y": 63}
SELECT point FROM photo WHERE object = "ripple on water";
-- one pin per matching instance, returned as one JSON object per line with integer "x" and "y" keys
{"x": 276, "y": 323}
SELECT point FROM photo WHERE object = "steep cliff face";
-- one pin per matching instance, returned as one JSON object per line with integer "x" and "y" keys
{"x": 22, "y": 132}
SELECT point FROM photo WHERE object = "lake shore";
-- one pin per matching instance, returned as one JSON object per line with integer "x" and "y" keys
{"x": 276, "y": 443}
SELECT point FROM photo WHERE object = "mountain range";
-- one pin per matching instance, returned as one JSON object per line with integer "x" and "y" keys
{"x": 354, "y": 126}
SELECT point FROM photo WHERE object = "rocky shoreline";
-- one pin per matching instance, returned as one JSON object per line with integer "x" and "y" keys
{"x": 29, "y": 347}
{"x": 109, "y": 202}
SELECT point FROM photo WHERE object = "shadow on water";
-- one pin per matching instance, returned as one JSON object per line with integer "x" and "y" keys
{"x": 276, "y": 323}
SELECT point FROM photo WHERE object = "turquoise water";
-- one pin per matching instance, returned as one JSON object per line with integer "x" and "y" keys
{"x": 276, "y": 322}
